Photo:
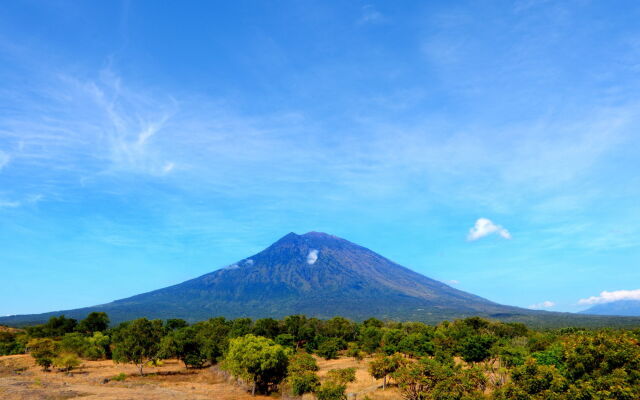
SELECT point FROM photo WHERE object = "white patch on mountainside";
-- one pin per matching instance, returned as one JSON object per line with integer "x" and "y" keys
{"x": 248, "y": 261}
{"x": 608, "y": 297}
{"x": 312, "y": 257}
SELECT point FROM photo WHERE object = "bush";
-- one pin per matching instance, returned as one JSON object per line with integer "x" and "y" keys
{"x": 328, "y": 348}
{"x": 331, "y": 391}
{"x": 43, "y": 351}
{"x": 120, "y": 377}
{"x": 66, "y": 361}
{"x": 342, "y": 376}
{"x": 12, "y": 343}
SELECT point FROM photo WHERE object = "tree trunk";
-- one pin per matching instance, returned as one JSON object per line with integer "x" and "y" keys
{"x": 140, "y": 366}
{"x": 253, "y": 389}
{"x": 384, "y": 382}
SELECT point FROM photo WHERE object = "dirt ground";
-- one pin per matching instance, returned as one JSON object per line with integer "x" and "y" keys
{"x": 21, "y": 379}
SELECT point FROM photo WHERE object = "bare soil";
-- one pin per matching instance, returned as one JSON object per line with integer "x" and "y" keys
{"x": 21, "y": 379}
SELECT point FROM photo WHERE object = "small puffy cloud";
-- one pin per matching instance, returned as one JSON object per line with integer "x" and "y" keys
{"x": 452, "y": 282}
{"x": 485, "y": 227}
{"x": 608, "y": 297}
{"x": 544, "y": 304}
{"x": 312, "y": 257}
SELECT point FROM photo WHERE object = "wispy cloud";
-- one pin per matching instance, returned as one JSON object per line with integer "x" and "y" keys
{"x": 370, "y": 15}
{"x": 608, "y": 297}
{"x": 9, "y": 204}
{"x": 4, "y": 159}
{"x": 485, "y": 227}
{"x": 542, "y": 305}
{"x": 31, "y": 199}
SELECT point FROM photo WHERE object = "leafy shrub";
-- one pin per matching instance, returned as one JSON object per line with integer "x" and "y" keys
{"x": 43, "y": 351}
{"x": 328, "y": 348}
{"x": 66, "y": 361}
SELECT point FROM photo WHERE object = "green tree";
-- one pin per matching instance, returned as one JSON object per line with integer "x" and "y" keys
{"x": 391, "y": 339}
{"x": 339, "y": 327}
{"x": 138, "y": 342}
{"x": 94, "y": 322}
{"x": 370, "y": 338}
{"x": 476, "y": 348}
{"x": 74, "y": 342}
{"x": 285, "y": 339}
{"x": 12, "y": 343}
{"x": 428, "y": 379}
{"x": 267, "y": 327}
{"x": 257, "y": 360}
{"x": 175, "y": 323}
{"x": 416, "y": 345}
{"x": 534, "y": 382}
{"x": 354, "y": 350}
{"x": 382, "y": 366}
{"x": 213, "y": 334}
{"x": 301, "y": 374}
{"x": 342, "y": 376}
{"x": 331, "y": 391}
{"x": 43, "y": 351}
{"x": 66, "y": 361}
{"x": 184, "y": 345}
{"x": 54, "y": 328}
{"x": 97, "y": 347}
{"x": 329, "y": 347}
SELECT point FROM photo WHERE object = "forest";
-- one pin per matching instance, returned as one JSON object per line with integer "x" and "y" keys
{"x": 466, "y": 359}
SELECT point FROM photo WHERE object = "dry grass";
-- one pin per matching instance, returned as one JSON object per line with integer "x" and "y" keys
{"x": 9, "y": 329}
{"x": 20, "y": 378}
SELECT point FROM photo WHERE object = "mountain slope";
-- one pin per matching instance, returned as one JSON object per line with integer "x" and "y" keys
{"x": 621, "y": 307}
{"x": 322, "y": 276}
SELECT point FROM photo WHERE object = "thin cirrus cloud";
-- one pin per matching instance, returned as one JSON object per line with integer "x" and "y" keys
{"x": 542, "y": 305}
{"x": 4, "y": 159}
{"x": 370, "y": 15}
{"x": 485, "y": 227}
{"x": 608, "y": 297}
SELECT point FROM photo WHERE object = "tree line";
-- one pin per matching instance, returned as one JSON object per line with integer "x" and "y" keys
{"x": 467, "y": 359}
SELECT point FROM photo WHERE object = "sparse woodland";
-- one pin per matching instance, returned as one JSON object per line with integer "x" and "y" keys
{"x": 466, "y": 359}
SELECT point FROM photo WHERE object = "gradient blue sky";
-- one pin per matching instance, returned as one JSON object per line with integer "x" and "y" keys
{"x": 144, "y": 143}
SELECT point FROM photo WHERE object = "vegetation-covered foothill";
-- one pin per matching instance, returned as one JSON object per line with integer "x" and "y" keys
{"x": 466, "y": 359}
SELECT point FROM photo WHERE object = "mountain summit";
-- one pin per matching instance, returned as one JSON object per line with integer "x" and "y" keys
{"x": 316, "y": 274}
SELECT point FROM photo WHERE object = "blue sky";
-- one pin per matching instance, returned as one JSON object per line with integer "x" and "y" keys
{"x": 144, "y": 143}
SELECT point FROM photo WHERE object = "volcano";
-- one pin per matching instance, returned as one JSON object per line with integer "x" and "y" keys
{"x": 322, "y": 276}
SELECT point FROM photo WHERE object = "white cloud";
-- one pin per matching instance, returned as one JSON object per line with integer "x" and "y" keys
{"x": 4, "y": 159}
{"x": 32, "y": 199}
{"x": 452, "y": 282}
{"x": 608, "y": 297}
{"x": 168, "y": 167}
{"x": 484, "y": 227}
{"x": 544, "y": 304}
{"x": 9, "y": 204}
{"x": 312, "y": 257}
{"x": 370, "y": 15}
